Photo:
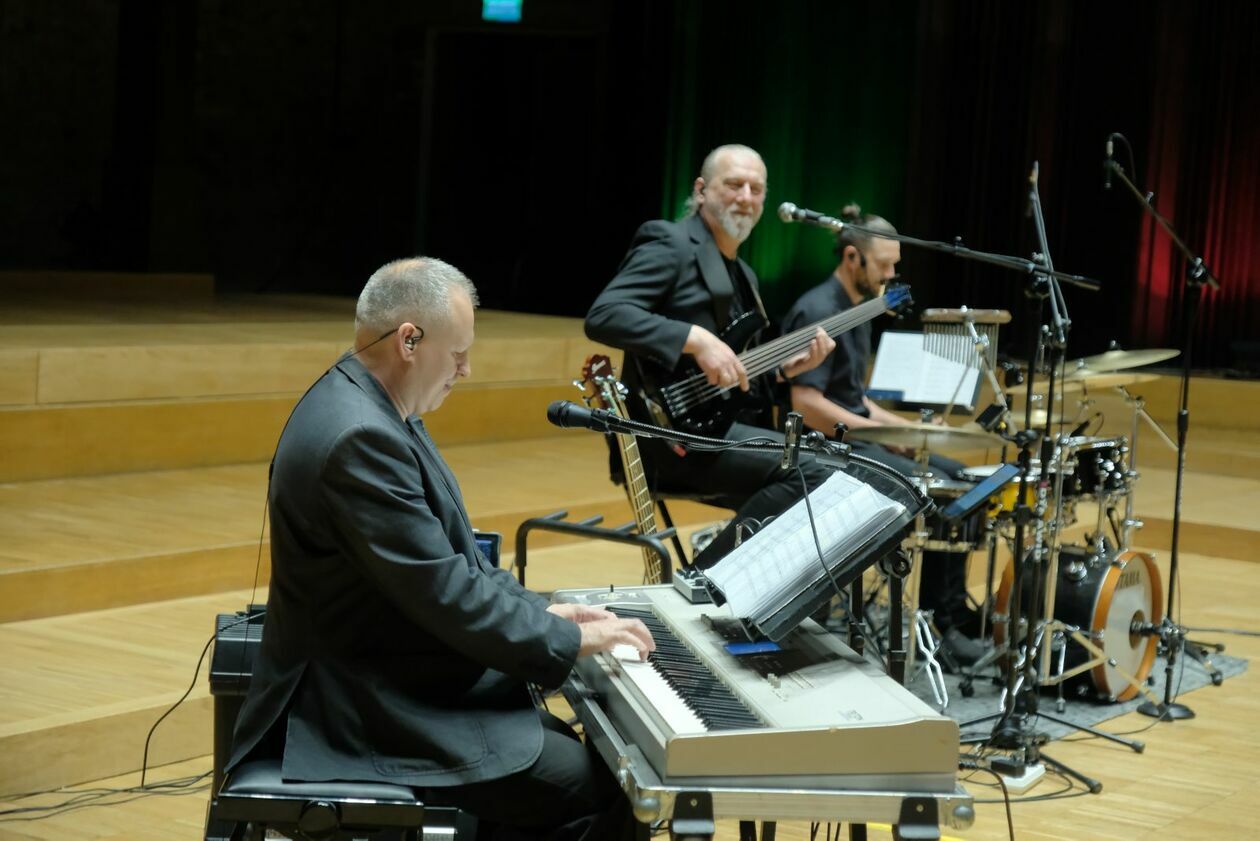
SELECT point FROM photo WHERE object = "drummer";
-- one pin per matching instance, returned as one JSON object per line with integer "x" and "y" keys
{"x": 835, "y": 392}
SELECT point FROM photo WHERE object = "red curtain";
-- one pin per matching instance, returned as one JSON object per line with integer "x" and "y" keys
{"x": 1203, "y": 167}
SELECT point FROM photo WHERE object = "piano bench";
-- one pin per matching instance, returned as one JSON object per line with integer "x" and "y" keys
{"x": 255, "y": 799}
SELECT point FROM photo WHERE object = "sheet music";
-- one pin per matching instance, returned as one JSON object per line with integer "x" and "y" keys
{"x": 770, "y": 568}
{"x": 905, "y": 371}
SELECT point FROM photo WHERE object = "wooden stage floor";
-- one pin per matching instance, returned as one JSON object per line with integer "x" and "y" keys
{"x": 110, "y": 575}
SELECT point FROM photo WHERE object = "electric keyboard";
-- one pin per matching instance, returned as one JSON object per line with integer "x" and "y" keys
{"x": 804, "y": 728}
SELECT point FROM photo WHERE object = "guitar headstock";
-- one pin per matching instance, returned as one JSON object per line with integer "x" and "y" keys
{"x": 898, "y": 300}
{"x": 599, "y": 382}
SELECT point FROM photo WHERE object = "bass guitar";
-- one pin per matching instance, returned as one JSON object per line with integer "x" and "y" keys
{"x": 684, "y": 399}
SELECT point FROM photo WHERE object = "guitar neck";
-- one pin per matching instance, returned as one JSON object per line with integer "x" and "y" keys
{"x": 686, "y": 395}
{"x": 769, "y": 356}
{"x": 637, "y": 488}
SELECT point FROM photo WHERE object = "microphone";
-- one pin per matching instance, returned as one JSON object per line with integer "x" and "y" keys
{"x": 1107, "y": 164}
{"x": 569, "y": 415}
{"x": 789, "y": 212}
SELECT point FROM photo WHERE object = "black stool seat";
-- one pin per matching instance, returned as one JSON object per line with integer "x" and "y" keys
{"x": 256, "y": 795}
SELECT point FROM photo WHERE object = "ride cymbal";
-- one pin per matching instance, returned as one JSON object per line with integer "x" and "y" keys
{"x": 1117, "y": 360}
{"x": 927, "y": 436}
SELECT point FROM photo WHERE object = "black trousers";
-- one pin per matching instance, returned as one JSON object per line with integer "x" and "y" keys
{"x": 943, "y": 576}
{"x": 568, "y": 794}
{"x": 752, "y": 482}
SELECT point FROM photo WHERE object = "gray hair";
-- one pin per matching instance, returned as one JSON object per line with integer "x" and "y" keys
{"x": 407, "y": 290}
{"x": 709, "y": 167}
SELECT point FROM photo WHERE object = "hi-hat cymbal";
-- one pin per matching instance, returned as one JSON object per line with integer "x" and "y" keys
{"x": 927, "y": 436}
{"x": 1117, "y": 360}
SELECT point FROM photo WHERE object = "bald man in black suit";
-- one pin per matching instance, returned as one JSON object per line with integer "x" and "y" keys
{"x": 393, "y": 651}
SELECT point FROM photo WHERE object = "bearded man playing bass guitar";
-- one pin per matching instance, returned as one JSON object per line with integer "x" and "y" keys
{"x": 679, "y": 286}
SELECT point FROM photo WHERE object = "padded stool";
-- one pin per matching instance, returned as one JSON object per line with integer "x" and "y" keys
{"x": 255, "y": 798}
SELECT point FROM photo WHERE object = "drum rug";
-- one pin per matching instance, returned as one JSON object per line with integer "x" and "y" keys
{"x": 1188, "y": 675}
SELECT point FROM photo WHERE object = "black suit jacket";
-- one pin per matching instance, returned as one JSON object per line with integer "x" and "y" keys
{"x": 392, "y": 650}
{"x": 672, "y": 277}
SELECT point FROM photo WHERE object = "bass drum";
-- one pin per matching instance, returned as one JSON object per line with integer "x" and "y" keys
{"x": 1106, "y": 597}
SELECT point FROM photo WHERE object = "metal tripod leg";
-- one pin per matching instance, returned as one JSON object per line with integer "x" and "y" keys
{"x": 1135, "y": 745}
{"x": 970, "y": 674}
{"x": 1201, "y": 654}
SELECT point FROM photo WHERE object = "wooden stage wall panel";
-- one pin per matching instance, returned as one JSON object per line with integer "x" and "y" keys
{"x": 164, "y": 372}
{"x": 67, "y": 287}
{"x": 95, "y": 439}
{"x": 103, "y": 745}
{"x": 58, "y": 590}
{"x": 98, "y": 542}
{"x": 19, "y": 376}
{"x": 488, "y": 414}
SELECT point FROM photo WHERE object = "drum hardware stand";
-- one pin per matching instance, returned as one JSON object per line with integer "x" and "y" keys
{"x": 997, "y": 652}
{"x": 1130, "y": 522}
{"x": 923, "y": 638}
{"x": 1172, "y": 636}
{"x": 1012, "y": 728}
{"x": 929, "y": 644}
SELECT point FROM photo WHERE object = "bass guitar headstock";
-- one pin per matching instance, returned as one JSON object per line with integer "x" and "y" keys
{"x": 898, "y": 300}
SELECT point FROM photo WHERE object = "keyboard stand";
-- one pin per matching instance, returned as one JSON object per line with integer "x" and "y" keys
{"x": 913, "y": 814}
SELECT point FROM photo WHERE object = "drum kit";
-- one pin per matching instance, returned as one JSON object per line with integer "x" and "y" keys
{"x": 1100, "y": 597}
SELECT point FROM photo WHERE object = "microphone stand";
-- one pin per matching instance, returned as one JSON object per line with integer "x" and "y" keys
{"x": 1172, "y": 635}
{"x": 1032, "y": 268}
{"x": 1020, "y": 700}
{"x": 830, "y": 452}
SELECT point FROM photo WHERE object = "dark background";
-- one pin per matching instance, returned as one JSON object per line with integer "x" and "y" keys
{"x": 295, "y": 145}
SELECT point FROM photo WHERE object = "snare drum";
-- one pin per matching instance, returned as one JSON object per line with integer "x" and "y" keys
{"x": 1004, "y": 500}
{"x": 1109, "y": 598}
{"x": 1099, "y": 466}
{"x": 961, "y": 536}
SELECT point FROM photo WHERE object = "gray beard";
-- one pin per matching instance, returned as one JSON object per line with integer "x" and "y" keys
{"x": 736, "y": 227}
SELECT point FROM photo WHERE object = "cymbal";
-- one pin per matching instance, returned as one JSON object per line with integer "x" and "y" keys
{"x": 1042, "y": 384}
{"x": 1111, "y": 379}
{"x": 927, "y": 436}
{"x": 1039, "y": 419}
{"x": 1084, "y": 379}
{"x": 1116, "y": 360}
